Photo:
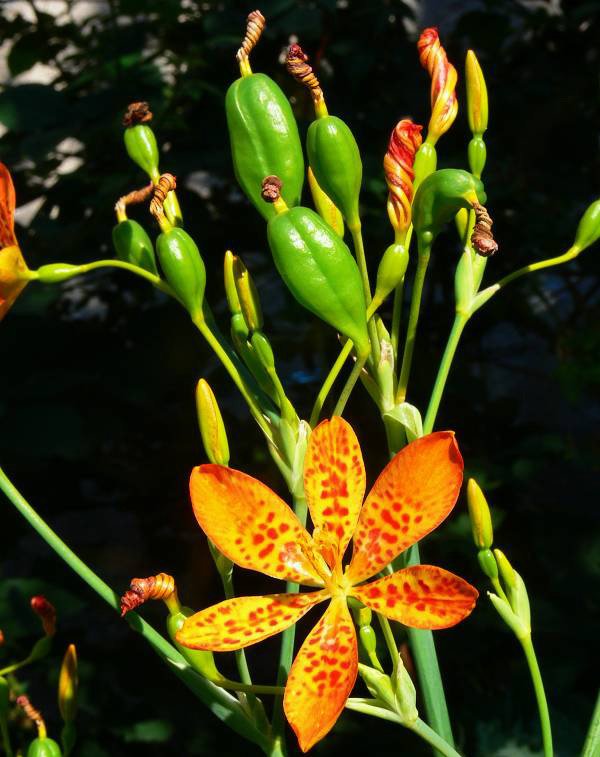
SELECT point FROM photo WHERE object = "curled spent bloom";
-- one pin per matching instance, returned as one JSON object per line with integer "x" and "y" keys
{"x": 46, "y": 612}
{"x": 398, "y": 163}
{"x": 161, "y": 586}
{"x": 33, "y": 714}
{"x": 252, "y": 526}
{"x": 14, "y": 273}
{"x": 444, "y": 105}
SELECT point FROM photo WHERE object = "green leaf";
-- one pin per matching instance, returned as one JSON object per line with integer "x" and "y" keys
{"x": 147, "y": 732}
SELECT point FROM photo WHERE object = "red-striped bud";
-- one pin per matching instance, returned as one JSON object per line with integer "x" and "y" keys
{"x": 444, "y": 105}
{"x": 398, "y": 164}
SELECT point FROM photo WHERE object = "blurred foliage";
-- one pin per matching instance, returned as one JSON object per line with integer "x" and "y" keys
{"x": 97, "y": 376}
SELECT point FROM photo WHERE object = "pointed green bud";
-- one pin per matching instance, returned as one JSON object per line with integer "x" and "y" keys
{"x": 212, "y": 428}
{"x": 247, "y": 295}
{"x": 230, "y": 290}
{"x": 481, "y": 518}
{"x": 477, "y": 96}
{"x": 487, "y": 563}
{"x": 406, "y": 694}
{"x": 506, "y": 569}
{"x": 379, "y": 685}
{"x": 588, "y": 230}
{"x": 509, "y": 616}
{"x": 263, "y": 349}
{"x": 68, "y": 682}
{"x": 391, "y": 271}
{"x": 203, "y": 662}
{"x": 519, "y": 600}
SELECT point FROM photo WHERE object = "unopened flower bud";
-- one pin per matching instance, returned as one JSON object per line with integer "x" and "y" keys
{"x": 325, "y": 206}
{"x": 67, "y": 685}
{"x": 212, "y": 428}
{"x": 481, "y": 518}
{"x": 506, "y": 569}
{"x": 477, "y": 97}
{"x": 46, "y": 612}
{"x": 230, "y": 290}
{"x": 247, "y": 295}
{"x": 588, "y": 230}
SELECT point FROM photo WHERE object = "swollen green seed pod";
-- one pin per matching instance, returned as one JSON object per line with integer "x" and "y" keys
{"x": 317, "y": 267}
{"x": 44, "y": 748}
{"x": 133, "y": 245}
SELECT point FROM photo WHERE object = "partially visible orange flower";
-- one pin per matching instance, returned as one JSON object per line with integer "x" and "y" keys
{"x": 14, "y": 273}
{"x": 252, "y": 526}
{"x": 444, "y": 105}
{"x": 399, "y": 174}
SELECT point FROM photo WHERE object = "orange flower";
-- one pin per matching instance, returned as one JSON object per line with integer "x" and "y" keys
{"x": 444, "y": 105}
{"x": 14, "y": 273}
{"x": 252, "y": 526}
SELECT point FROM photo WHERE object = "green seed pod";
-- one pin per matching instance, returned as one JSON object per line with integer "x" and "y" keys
{"x": 141, "y": 147}
{"x": 326, "y": 208}
{"x": 440, "y": 197}
{"x": 487, "y": 563}
{"x": 133, "y": 245}
{"x": 212, "y": 428}
{"x": 425, "y": 163}
{"x": 203, "y": 662}
{"x": 390, "y": 273}
{"x": 319, "y": 270}
{"x": 334, "y": 158}
{"x": 44, "y": 748}
{"x": 588, "y": 230}
{"x": 183, "y": 268}
{"x": 481, "y": 518}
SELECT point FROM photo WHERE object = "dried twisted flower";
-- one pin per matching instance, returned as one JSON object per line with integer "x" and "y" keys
{"x": 444, "y": 105}
{"x": 161, "y": 586}
{"x": 271, "y": 188}
{"x": 166, "y": 183}
{"x": 131, "y": 198}
{"x": 47, "y": 613}
{"x": 399, "y": 174}
{"x": 297, "y": 65}
{"x": 482, "y": 238}
{"x": 255, "y": 24}
{"x": 32, "y": 713}
{"x": 137, "y": 113}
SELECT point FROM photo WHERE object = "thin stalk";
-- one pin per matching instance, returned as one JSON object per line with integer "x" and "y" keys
{"x": 361, "y": 259}
{"x": 15, "y": 666}
{"x": 540, "y": 695}
{"x": 571, "y": 253}
{"x": 397, "y": 317}
{"x": 329, "y": 382}
{"x": 286, "y": 650}
{"x": 255, "y": 688}
{"x": 349, "y": 385}
{"x": 255, "y": 409}
{"x": 389, "y": 638}
{"x": 413, "y": 321}
{"x": 418, "y": 727}
{"x": 142, "y": 272}
{"x": 591, "y": 748}
{"x": 460, "y": 321}
{"x": 221, "y": 704}
{"x": 5, "y": 737}
{"x": 240, "y": 655}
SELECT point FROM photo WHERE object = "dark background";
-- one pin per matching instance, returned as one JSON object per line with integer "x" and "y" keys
{"x": 97, "y": 422}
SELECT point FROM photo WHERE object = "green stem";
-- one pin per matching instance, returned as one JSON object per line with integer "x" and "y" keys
{"x": 396, "y": 317}
{"x": 460, "y": 321}
{"x": 142, "y": 272}
{"x": 15, "y": 666}
{"x": 349, "y": 385}
{"x": 413, "y": 320}
{"x": 329, "y": 381}
{"x": 254, "y": 688}
{"x": 252, "y": 402}
{"x": 222, "y": 704}
{"x": 361, "y": 259}
{"x": 5, "y": 737}
{"x": 286, "y": 651}
{"x": 389, "y": 638}
{"x": 418, "y": 727}
{"x": 240, "y": 655}
{"x": 570, "y": 254}
{"x": 540, "y": 694}
{"x": 591, "y": 748}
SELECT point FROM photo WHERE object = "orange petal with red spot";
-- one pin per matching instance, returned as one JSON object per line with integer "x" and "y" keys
{"x": 239, "y": 622}
{"x": 421, "y": 596}
{"x": 7, "y": 208}
{"x": 334, "y": 483}
{"x": 251, "y": 525}
{"x": 414, "y": 494}
{"x": 322, "y": 676}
